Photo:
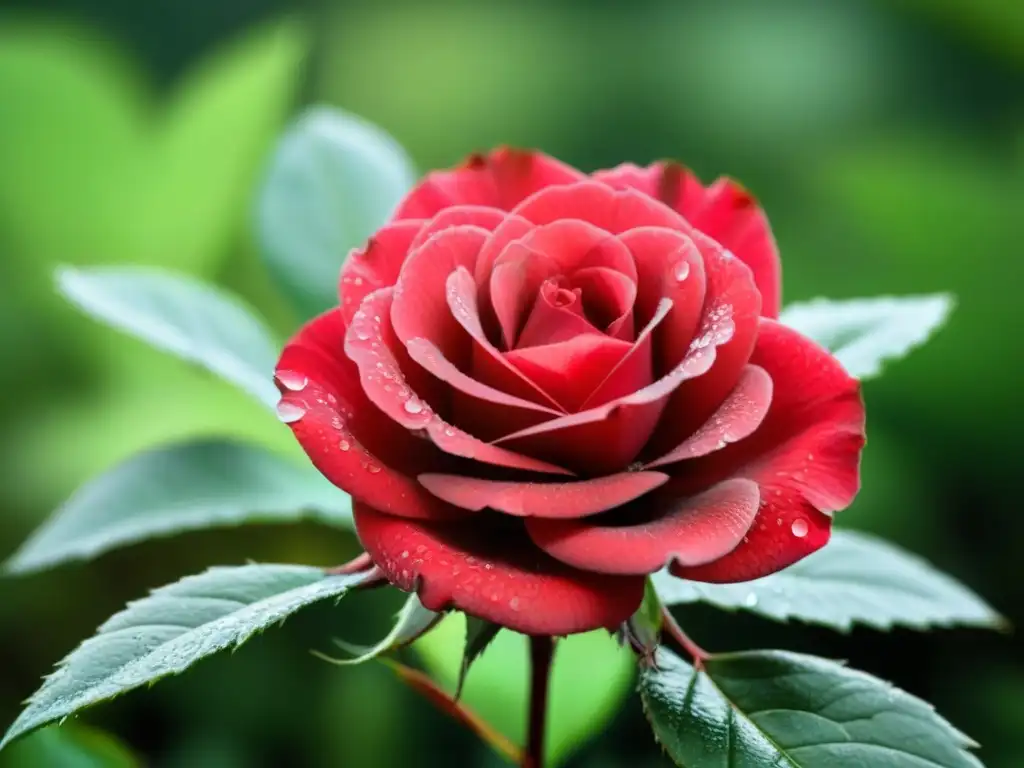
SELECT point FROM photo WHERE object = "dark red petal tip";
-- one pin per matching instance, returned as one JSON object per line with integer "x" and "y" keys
{"x": 491, "y": 570}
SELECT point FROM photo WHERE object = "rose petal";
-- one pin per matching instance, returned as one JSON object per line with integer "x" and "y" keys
{"x": 523, "y": 265}
{"x": 630, "y": 375}
{"x": 376, "y": 265}
{"x": 606, "y": 438}
{"x": 420, "y": 306}
{"x": 430, "y": 358}
{"x": 564, "y": 368}
{"x": 488, "y": 365}
{"x": 669, "y": 265}
{"x": 353, "y": 444}
{"x": 491, "y": 412}
{"x": 805, "y": 456}
{"x": 737, "y": 417}
{"x": 459, "y": 216}
{"x": 690, "y": 530}
{"x": 727, "y": 332}
{"x": 372, "y": 345}
{"x": 724, "y": 211}
{"x": 499, "y": 179}
{"x": 492, "y": 570}
{"x": 548, "y": 500}
{"x": 612, "y": 210}
{"x": 557, "y": 315}
{"x": 608, "y": 297}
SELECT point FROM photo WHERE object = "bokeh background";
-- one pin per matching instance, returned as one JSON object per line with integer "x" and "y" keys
{"x": 885, "y": 139}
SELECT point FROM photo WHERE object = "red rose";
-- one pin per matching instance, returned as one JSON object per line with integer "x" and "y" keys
{"x": 540, "y": 387}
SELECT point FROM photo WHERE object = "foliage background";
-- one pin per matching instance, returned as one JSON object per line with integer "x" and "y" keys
{"x": 885, "y": 138}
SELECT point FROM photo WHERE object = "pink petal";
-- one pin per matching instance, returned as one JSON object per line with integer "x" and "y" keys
{"x": 499, "y": 179}
{"x": 420, "y": 307}
{"x": 353, "y": 444}
{"x": 724, "y": 211}
{"x": 669, "y": 265}
{"x": 736, "y": 418}
{"x": 371, "y": 344}
{"x": 459, "y": 216}
{"x": 690, "y": 530}
{"x": 490, "y": 569}
{"x": 376, "y": 265}
{"x": 563, "y": 369}
{"x": 547, "y": 500}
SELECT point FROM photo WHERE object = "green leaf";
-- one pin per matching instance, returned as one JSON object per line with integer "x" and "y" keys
{"x": 643, "y": 629}
{"x": 412, "y": 621}
{"x": 774, "y": 708}
{"x": 134, "y": 178}
{"x": 333, "y": 181}
{"x": 590, "y": 679}
{"x": 70, "y": 746}
{"x": 864, "y": 333}
{"x": 479, "y": 634}
{"x": 182, "y": 487}
{"x": 173, "y": 628}
{"x": 854, "y": 579}
{"x": 193, "y": 320}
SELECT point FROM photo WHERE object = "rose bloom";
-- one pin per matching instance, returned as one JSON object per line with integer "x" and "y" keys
{"x": 541, "y": 386}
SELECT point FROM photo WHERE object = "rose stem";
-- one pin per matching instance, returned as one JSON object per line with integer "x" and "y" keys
{"x": 672, "y": 628}
{"x": 542, "y": 650}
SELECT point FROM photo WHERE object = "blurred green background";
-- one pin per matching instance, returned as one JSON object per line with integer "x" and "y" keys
{"x": 885, "y": 139}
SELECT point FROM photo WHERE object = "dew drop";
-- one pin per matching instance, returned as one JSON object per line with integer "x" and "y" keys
{"x": 362, "y": 335}
{"x": 344, "y": 445}
{"x": 514, "y": 603}
{"x": 799, "y": 528}
{"x": 373, "y": 469}
{"x": 750, "y": 600}
{"x": 413, "y": 406}
{"x": 296, "y": 382}
{"x": 289, "y": 413}
{"x": 681, "y": 271}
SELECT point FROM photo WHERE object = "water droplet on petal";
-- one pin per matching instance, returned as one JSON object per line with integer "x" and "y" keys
{"x": 799, "y": 528}
{"x": 681, "y": 270}
{"x": 750, "y": 600}
{"x": 373, "y": 469}
{"x": 362, "y": 335}
{"x": 289, "y": 412}
{"x": 344, "y": 445}
{"x": 296, "y": 382}
{"x": 413, "y": 406}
